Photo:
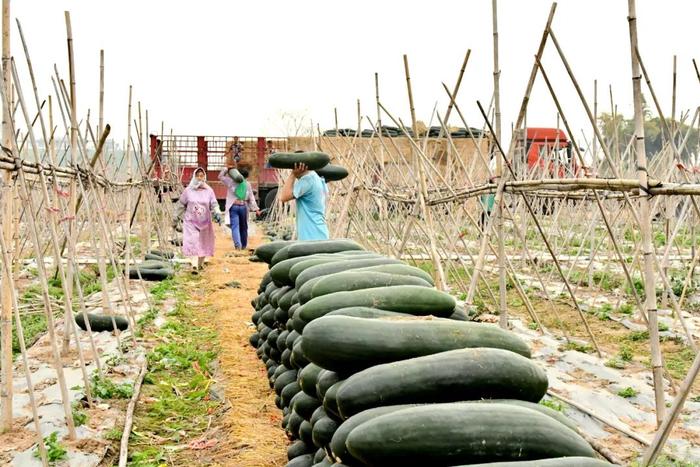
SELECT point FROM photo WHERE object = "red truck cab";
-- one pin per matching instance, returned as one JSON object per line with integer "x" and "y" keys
{"x": 548, "y": 154}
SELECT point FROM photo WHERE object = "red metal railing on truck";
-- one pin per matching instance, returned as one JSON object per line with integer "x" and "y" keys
{"x": 184, "y": 153}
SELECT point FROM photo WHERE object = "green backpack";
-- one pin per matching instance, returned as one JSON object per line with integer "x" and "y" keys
{"x": 241, "y": 191}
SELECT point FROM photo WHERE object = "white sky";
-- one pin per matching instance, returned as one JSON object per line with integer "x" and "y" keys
{"x": 231, "y": 67}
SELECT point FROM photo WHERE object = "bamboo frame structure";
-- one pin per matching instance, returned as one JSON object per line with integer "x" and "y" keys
{"x": 69, "y": 197}
{"x": 553, "y": 239}
{"x": 583, "y": 227}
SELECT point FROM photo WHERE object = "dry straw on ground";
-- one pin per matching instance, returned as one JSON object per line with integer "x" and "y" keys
{"x": 254, "y": 436}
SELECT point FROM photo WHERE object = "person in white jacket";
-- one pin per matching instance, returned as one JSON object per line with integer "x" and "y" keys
{"x": 239, "y": 200}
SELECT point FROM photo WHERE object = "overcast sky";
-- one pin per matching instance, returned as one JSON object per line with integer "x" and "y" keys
{"x": 232, "y": 67}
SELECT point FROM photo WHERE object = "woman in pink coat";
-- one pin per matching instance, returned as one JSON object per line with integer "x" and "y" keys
{"x": 199, "y": 205}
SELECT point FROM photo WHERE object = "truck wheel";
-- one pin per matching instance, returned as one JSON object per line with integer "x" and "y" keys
{"x": 270, "y": 198}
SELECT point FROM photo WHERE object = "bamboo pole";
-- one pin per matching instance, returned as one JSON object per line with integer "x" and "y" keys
{"x": 148, "y": 190}
{"x": 100, "y": 121}
{"x": 417, "y": 150}
{"x": 8, "y": 227}
{"x": 107, "y": 237}
{"x": 26, "y": 197}
{"x": 501, "y": 184}
{"x": 669, "y": 421}
{"x": 340, "y": 220}
{"x": 456, "y": 90}
{"x": 616, "y": 133}
{"x": 144, "y": 184}
{"x": 441, "y": 282}
{"x": 69, "y": 321}
{"x": 71, "y": 264}
{"x": 664, "y": 126}
{"x": 145, "y": 226}
{"x": 546, "y": 242}
{"x": 382, "y": 164}
{"x": 127, "y": 239}
{"x": 673, "y": 96}
{"x": 512, "y": 272}
{"x": 4, "y": 253}
{"x": 608, "y": 225}
{"x": 594, "y": 159}
{"x": 72, "y": 203}
{"x": 645, "y": 217}
{"x": 100, "y": 246}
{"x": 335, "y": 114}
{"x": 597, "y": 416}
{"x": 502, "y": 302}
{"x": 129, "y": 419}
{"x": 644, "y": 188}
{"x": 594, "y": 142}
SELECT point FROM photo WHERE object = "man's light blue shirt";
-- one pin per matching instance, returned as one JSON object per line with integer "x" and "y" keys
{"x": 310, "y": 198}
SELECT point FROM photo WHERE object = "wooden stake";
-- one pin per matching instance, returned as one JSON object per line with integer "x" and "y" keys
{"x": 129, "y": 420}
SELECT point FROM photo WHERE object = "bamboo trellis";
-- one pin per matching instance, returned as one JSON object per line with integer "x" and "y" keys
{"x": 417, "y": 198}
{"x": 70, "y": 214}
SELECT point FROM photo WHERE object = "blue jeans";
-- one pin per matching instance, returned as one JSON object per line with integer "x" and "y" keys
{"x": 238, "y": 215}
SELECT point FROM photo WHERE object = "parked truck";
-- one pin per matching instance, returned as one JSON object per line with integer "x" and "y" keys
{"x": 548, "y": 154}
{"x": 182, "y": 154}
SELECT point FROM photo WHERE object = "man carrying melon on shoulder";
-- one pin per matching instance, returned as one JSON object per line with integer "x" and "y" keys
{"x": 239, "y": 200}
{"x": 307, "y": 189}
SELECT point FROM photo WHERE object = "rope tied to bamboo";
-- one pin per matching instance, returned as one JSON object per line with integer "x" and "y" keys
{"x": 61, "y": 193}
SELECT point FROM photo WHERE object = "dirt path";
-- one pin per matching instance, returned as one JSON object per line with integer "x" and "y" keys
{"x": 254, "y": 436}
